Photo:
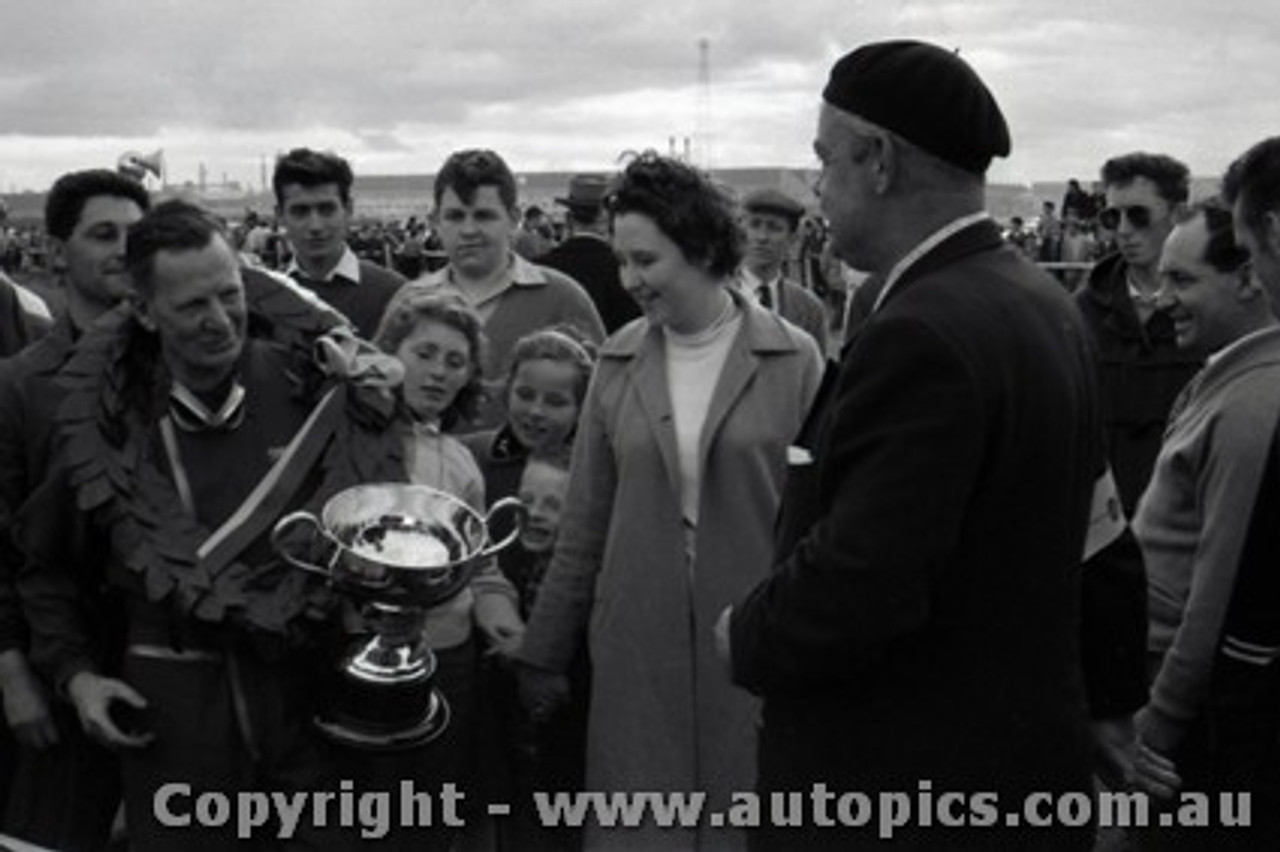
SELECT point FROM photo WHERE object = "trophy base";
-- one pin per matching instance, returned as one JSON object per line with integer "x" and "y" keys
{"x": 350, "y": 732}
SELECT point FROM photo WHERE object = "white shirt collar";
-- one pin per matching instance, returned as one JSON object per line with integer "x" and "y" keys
{"x": 347, "y": 268}
{"x": 925, "y": 246}
{"x": 749, "y": 283}
{"x": 521, "y": 273}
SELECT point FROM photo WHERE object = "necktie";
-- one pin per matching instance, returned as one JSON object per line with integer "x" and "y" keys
{"x": 765, "y": 297}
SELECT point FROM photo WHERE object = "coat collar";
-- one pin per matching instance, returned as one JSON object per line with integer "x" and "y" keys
{"x": 982, "y": 235}
{"x": 762, "y": 334}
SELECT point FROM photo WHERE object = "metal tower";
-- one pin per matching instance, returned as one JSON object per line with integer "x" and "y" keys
{"x": 702, "y": 119}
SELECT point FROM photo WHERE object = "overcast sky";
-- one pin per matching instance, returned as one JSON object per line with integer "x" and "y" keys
{"x": 395, "y": 85}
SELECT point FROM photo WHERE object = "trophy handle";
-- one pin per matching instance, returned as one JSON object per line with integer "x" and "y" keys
{"x": 287, "y": 523}
{"x": 505, "y": 504}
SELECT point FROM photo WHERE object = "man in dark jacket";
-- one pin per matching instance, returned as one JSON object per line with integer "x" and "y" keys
{"x": 585, "y": 256}
{"x": 65, "y": 788}
{"x": 1141, "y": 370}
{"x": 314, "y": 203}
{"x": 919, "y": 634}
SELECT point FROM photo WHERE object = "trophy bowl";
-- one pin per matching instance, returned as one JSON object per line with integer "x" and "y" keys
{"x": 395, "y": 550}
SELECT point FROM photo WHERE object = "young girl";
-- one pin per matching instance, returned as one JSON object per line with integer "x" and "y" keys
{"x": 550, "y": 370}
{"x": 438, "y": 340}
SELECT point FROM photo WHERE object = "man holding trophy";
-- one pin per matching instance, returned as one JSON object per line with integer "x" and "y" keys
{"x": 183, "y": 439}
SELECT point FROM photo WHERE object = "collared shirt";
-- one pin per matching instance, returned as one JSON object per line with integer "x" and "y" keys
{"x": 750, "y": 286}
{"x": 519, "y": 273}
{"x": 346, "y": 270}
{"x": 925, "y": 246}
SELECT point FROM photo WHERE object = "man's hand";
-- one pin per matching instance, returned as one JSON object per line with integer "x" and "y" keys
{"x": 93, "y": 696}
{"x": 1155, "y": 774}
{"x": 26, "y": 703}
{"x": 1115, "y": 746}
{"x": 542, "y": 691}
{"x": 496, "y": 616}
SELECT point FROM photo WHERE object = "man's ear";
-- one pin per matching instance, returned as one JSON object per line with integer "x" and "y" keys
{"x": 885, "y": 156}
{"x": 1270, "y": 231}
{"x": 57, "y": 254}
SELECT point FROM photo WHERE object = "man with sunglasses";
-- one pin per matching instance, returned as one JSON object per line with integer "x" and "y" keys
{"x": 1141, "y": 371}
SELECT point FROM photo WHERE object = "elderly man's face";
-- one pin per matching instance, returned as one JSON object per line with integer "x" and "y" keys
{"x": 197, "y": 307}
{"x": 1209, "y": 308}
{"x": 844, "y": 186}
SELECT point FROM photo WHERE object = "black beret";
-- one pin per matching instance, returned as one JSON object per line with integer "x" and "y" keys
{"x": 925, "y": 94}
{"x": 773, "y": 201}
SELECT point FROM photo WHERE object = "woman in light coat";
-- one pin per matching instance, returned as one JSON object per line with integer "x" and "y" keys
{"x": 677, "y": 472}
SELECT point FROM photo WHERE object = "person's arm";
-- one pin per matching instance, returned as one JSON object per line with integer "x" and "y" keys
{"x": 905, "y": 441}
{"x": 1225, "y": 492}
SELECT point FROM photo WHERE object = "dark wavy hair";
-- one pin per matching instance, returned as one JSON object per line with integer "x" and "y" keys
{"x": 73, "y": 190}
{"x": 1253, "y": 180}
{"x": 686, "y": 206}
{"x": 404, "y": 315}
{"x": 305, "y": 167}
{"x": 468, "y": 170}
{"x": 1171, "y": 177}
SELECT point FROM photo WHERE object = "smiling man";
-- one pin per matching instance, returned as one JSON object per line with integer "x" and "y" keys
{"x": 476, "y": 218}
{"x": 313, "y": 202}
{"x": 65, "y": 788}
{"x": 165, "y": 495}
{"x": 1194, "y": 517}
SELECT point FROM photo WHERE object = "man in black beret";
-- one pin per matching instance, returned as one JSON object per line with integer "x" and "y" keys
{"x": 919, "y": 635}
{"x": 771, "y": 220}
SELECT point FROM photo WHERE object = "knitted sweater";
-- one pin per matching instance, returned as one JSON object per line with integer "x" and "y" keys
{"x": 1192, "y": 522}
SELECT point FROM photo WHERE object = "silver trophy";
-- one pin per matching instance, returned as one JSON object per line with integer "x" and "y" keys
{"x": 395, "y": 550}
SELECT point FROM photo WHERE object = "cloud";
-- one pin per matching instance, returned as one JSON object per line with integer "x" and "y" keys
{"x": 398, "y": 84}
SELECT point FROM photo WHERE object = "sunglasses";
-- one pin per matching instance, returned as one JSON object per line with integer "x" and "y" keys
{"x": 1139, "y": 217}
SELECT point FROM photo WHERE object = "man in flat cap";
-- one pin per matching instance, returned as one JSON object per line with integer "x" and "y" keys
{"x": 918, "y": 639}
{"x": 771, "y": 221}
{"x": 586, "y": 256}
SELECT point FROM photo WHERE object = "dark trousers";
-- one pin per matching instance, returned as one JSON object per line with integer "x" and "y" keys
{"x": 225, "y": 725}
{"x": 63, "y": 797}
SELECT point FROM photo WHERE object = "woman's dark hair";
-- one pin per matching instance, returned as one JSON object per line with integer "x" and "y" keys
{"x": 686, "y": 206}
{"x": 404, "y": 315}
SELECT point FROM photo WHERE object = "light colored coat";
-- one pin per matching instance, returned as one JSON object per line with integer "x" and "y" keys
{"x": 664, "y": 716}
